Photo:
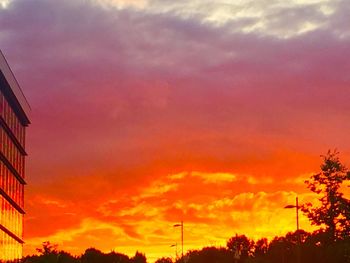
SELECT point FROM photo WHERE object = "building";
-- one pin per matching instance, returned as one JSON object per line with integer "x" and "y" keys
{"x": 14, "y": 118}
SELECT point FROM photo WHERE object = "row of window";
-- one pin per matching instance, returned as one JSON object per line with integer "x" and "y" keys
{"x": 11, "y": 119}
{"x": 11, "y": 152}
{"x": 10, "y": 218}
{"x": 10, "y": 249}
{"x": 10, "y": 185}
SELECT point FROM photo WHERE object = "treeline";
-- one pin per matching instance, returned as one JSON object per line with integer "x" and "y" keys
{"x": 50, "y": 254}
{"x": 295, "y": 247}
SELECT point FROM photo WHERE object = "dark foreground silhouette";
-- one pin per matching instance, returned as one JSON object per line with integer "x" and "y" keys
{"x": 313, "y": 247}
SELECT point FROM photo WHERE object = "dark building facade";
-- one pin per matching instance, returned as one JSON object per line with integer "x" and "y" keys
{"x": 14, "y": 118}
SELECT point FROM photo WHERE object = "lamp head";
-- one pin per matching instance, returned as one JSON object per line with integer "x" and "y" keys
{"x": 290, "y": 206}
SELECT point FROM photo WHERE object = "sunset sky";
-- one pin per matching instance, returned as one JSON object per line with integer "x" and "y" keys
{"x": 149, "y": 112}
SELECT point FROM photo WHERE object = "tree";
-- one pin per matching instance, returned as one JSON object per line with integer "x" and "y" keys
{"x": 65, "y": 257}
{"x": 241, "y": 245}
{"x": 50, "y": 254}
{"x": 334, "y": 211}
{"x": 139, "y": 258}
{"x": 208, "y": 255}
{"x": 92, "y": 255}
{"x": 164, "y": 260}
{"x": 114, "y": 257}
{"x": 261, "y": 246}
{"x": 281, "y": 249}
{"x": 48, "y": 248}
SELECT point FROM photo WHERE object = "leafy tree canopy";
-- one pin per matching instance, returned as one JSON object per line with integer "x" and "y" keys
{"x": 334, "y": 211}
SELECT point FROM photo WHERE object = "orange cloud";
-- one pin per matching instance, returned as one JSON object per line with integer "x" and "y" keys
{"x": 213, "y": 210}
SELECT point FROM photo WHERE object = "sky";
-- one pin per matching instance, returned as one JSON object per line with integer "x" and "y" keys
{"x": 149, "y": 112}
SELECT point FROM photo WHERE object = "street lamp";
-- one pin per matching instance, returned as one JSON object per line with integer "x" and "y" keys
{"x": 297, "y": 207}
{"x": 175, "y": 245}
{"x": 182, "y": 237}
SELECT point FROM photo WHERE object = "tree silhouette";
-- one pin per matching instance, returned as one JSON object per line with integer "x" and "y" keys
{"x": 65, "y": 257}
{"x": 164, "y": 260}
{"x": 50, "y": 254}
{"x": 209, "y": 255}
{"x": 114, "y": 257}
{"x": 334, "y": 211}
{"x": 48, "y": 248}
{"x": 261, "y": 247}
{"x": 242, "y": 245}
{"x": 281, "y": 249}
{"x": 139, "y": 258}
{"x": 92, "y": 255}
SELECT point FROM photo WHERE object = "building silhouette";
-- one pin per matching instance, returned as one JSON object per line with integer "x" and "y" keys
{"x": 14, "y": 118}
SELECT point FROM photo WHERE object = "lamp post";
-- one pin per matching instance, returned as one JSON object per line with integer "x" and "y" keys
{"x": 182, "y": 237}
{"x": 175, "y": 245}
{"x": 297, "y": 207}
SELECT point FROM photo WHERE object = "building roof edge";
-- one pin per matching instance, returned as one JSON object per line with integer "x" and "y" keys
{"x": 12, "y": 81}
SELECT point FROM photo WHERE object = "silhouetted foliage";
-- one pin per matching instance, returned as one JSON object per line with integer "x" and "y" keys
{"x": 242, "y": 245}
{"x": 139, "y": 258}
{"x": 50, "y": 254}
{"x": 48, "y": 248}
{"x": 334, "y": 211}
{"x": 114, "y": 257}
{"x": 93, "y": 255}
{"x": 281, "y": 249}
{"x": 164, "y": 260}
{"x": 315, "y": 247}
{"x": 261, "y": 247}
{"x": 64, "y": 257}
{"x": 209, "y": 255}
